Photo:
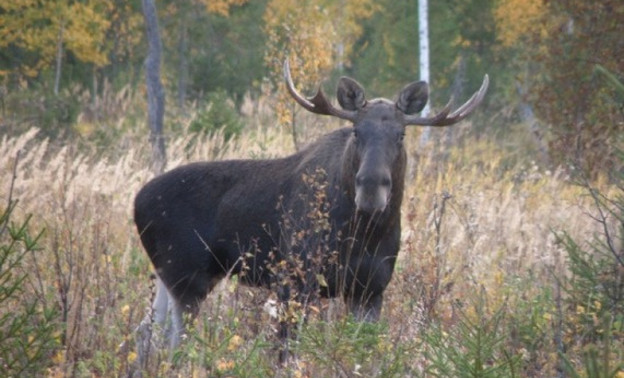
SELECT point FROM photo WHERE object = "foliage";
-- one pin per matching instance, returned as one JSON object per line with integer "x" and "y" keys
{"x": 549, "y": 302}
{"x": 35, "y": 29}
{"x": 53, "y": 114}
{"x": 595, "y": 289}
{"x": 613, "y": 80}
{"x": 292, "y": 28}
{"x": 385, "y": 57}
{"x": 219, "y": 114}
{"x": 200, "y": 40}
{"x": 496, "y": 234}
{"x": 474, "y": 347}
{"x": 564, "y": 41}
{"x": 29, "y": 328}
{"x": 124, "y": 44}
{"x": 221, "y": 7}
{"x": 346, "y": 347}
{"x": 586, "y": 121}
{"x": 307, "y": 33}
{"x": 515, "y": 19}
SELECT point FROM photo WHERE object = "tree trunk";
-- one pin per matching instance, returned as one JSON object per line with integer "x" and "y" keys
{"x": 423, "y": 37}
{"x": 59, "y": 59}
{"x": 155, "y": 93}
{"x": 528, "y": 116}
{"x": 183, "y": 64}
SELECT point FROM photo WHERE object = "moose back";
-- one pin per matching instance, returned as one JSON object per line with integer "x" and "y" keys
{"x": 324, "y": 221}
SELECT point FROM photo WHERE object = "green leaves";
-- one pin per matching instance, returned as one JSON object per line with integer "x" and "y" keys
{"x": 475, "y": 346}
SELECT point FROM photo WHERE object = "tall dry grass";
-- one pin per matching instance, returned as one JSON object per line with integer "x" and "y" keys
{"x": 471, "y": 224}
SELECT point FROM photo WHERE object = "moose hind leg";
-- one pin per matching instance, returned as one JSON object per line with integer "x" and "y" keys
{"x": 152, "y": 328}
{"x": 185, "y": 297}
{"x": 177, "y": 325}
{"x": 160, "y": 306}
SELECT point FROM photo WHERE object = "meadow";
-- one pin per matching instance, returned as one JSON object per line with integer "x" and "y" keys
{"x": 502, "y": 270}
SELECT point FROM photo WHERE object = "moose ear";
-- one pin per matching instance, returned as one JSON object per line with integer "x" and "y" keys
{"x": 413, "y": 97}
{"x": 350, "y": 94}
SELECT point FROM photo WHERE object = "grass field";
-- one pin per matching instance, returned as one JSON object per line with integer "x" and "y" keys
{"x": 485, "y": 284}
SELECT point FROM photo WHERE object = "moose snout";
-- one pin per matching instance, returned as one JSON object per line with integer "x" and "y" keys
{"x": 372, "y": 191}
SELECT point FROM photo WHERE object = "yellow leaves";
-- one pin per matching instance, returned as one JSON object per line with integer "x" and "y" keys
{"x": 221, "y": 7}
{"x": 517, "y": 18}
{"x": 305, "y": 33}
{"x": 39, "y": 27}
{"x": 125, "y": 310}
{"x": 321, "y": 280}
{"x": 132, "y": 356}
{"x": 224, "y": 365}
{"x": 85, "y": 33}
{"x": 314, "y": 34}
{"x": 235, "y": 343}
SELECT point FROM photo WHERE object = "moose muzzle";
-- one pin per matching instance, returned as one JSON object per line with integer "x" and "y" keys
{"x": 372, "y": 190}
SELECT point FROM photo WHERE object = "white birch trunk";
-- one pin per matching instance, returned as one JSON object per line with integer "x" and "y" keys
{"x": 423, "y": 38}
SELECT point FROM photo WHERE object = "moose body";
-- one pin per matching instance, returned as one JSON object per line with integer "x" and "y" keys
{"x": 203, "y": 221}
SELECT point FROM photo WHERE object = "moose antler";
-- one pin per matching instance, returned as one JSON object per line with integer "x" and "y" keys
{"x": 443, "y": 118}
{"x": 318, "y": 104}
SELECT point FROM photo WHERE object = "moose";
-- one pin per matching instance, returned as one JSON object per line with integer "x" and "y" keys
{"x": 204, "y": 221}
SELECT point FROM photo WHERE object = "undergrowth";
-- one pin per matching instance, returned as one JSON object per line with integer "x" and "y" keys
{"x": 503, "y": 270}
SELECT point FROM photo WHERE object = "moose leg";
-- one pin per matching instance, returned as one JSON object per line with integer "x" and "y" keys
{"x": 157, "y": 316}
{"x": 283, "y": 295}
{"x": 366, "y": 281}
{"x": 366, "y": 309}
{"x": 161, "y": 303}
{"x": 164, "y": 304}
{"x": 177, "y": 325}
{"x": 183, "y": 310}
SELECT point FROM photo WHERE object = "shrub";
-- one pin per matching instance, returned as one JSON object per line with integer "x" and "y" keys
{"x": 28, "y": 326}
{"x": 474, "y": 347}
{"x": 594, "y": 328}
{"x": 218, "y": 114}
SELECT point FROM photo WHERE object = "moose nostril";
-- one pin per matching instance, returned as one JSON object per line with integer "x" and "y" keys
{"x": 385, "y": 181}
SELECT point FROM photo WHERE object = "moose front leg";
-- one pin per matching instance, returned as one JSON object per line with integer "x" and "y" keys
{"x": 366, "y": 310}
{"x": 366, "y": 279}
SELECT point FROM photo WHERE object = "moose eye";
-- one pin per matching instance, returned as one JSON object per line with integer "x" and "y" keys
{"x": 355, "y": 133}
{"x": 401, "y": 137}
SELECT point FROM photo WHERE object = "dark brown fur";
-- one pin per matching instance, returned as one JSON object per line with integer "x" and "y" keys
{"x": 325, "y": 220}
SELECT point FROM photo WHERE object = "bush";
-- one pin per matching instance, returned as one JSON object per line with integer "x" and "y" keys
{"x": 474, "y": 347}
{"x": 53, "y": 113}
{"x": 594, "y": 328}
{"x": 28, "y": 327}
{"x": 218, "y": 114}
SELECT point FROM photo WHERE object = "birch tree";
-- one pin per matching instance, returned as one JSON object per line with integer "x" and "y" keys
{"x": 423, "y": 43}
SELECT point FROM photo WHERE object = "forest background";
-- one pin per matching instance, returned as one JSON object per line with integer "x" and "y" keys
{"x": 531, "y": 184}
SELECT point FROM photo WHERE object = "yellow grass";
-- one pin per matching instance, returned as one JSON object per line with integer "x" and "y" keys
{"x": 497, "y": 226}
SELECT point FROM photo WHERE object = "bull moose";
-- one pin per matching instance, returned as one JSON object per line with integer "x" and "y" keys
{"x": 203, "y": 221}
